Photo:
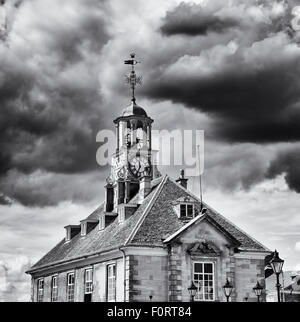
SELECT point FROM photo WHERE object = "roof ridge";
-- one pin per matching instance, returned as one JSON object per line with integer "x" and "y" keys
{"x": 224, "y": 218}
{"x": 146, "y": 211}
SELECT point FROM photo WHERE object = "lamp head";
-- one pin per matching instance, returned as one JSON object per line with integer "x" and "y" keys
{"x": 258, "y": 289}
{"x": 227, "y": 288}
{"x": 192, "y": 289}
{"x": 276, "y": 263}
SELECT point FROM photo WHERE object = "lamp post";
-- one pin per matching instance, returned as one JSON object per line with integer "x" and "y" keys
{"x": 227, "y": 288}
{"x": 277, "y": 263}
{"x": 258, "y": 290}
{"x": 192, "y": 290}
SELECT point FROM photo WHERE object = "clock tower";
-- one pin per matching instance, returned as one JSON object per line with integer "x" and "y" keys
{"x": 131, "y": 168}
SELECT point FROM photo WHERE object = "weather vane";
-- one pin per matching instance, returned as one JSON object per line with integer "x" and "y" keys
{"x": 132, "y": 79}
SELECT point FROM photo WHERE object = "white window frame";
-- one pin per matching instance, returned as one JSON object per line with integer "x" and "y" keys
{"x": 186, "y": 210}
{"x": 88, "y": 281}
{"x": 111, "y": 288}
{"x": 70, "y": 288}
{"x": 83, "y": 228}
{"x": 121, "y": 215}
{"x": 101, "y": 222}
{"x": 54, "y": 289}
{"x": 68, "y": 234}
{"x": 202, "y": 289}
{"x": 40, "y": 290}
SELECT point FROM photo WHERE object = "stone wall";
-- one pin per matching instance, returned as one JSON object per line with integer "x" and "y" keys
{"x": 166, "y": 277}
{"x": 146, "y": 276}
{"x": 99, "y": 283}
{"x": 248, "y": 272}
{"x": 243, "y": 271}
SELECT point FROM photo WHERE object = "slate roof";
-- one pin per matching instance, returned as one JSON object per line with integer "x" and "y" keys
{"x": 153, "y": 221}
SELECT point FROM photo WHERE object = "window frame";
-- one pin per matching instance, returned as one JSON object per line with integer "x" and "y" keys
{"x": 101, "y": 222}
{"x": 83, "y": 229}
{"x": 114, "y": 278}
{"x": 202, "y": 291}
{"x": 40, "y": 290}
{"x": 68, "y": 234}
{"x": 70, "y": 287}
{"x": 90, "y": 286}
{"x": 54, "y": 295}
{"x": 186, "y": 204}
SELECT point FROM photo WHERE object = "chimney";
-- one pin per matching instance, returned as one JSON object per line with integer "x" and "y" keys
{"x": 145, "y": 187}
{"x": 182, "y": 180}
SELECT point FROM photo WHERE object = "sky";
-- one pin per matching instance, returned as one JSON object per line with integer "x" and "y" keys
{"x": 228, "y": 68}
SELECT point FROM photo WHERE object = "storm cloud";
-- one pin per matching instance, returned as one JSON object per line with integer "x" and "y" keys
{"x": 51, "y": 106}
{"x": 191, "y": 19}
{"x": 287, "y": 163}
{"x": 246, "y": 79}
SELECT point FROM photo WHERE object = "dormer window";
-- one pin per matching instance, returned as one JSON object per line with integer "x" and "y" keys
{"x": 185, "y": 207}
{"x": 186, "y": 210}
{"x": 71, "y": 231}
{"x": 87, "y": 225}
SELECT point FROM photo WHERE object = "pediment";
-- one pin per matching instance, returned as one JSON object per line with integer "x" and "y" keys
{"x": 185, "y": 199}
{"x": 203, "y": 247}
{"x": 205, "y": 234}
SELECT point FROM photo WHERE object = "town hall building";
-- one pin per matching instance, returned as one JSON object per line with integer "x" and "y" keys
{"x": 150, "y": 239}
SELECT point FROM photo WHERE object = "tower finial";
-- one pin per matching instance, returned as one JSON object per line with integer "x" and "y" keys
{"x": 132, "y": 79}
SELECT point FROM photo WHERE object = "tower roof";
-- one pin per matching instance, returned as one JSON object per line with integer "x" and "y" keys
{"x": 134, "y": 109}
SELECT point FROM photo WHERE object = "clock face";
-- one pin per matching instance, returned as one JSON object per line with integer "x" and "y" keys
{"x": 139, "y": 165}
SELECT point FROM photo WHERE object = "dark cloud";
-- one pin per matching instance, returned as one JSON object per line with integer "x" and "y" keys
{"x": 248, "y": 85}
{"x": 191, "y": 19}
{"x": 287, "y": 163}
{"x": 51, "y": 106}
{"x": 42, "y": 188}
{"x": 247, "y": 105}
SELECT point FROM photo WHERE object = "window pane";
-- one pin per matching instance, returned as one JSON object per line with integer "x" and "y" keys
{"x": 88, "y": 281}
{"x": 111, "y": 283}
{"x": 204, "y": 281}
{"x": 54, "y": 290}
{"x": 40, "y": 290}
{"x": 208, "y": 268}
{"x": 190, "y": 210}
{"x": 182, "y": 210}
{"x": 198, "y": 268}
{"x": 71, "y": 287}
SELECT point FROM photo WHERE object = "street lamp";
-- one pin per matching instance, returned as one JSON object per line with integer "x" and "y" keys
{"x": 192, "y": 290}
{"x": 227, "y": 288}
{"x": 258, "y": 290}
{"x": 277, "y": 264}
